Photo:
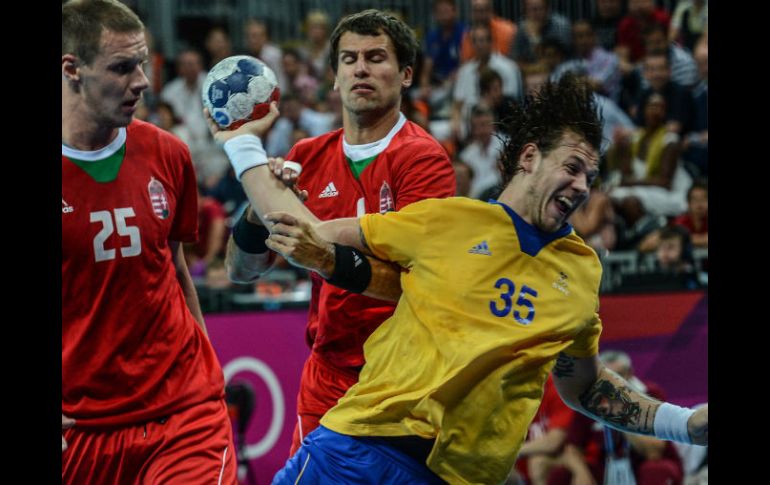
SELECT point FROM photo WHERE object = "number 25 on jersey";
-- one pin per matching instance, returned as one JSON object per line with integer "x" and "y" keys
{"x": 134, "y": 247}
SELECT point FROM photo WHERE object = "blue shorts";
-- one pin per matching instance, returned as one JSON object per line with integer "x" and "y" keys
{"x": 330, "y": 457}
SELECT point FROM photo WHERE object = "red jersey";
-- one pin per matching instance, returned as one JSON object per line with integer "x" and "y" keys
{"x": 131, "y": 349}
{"x": 412, "y": 167}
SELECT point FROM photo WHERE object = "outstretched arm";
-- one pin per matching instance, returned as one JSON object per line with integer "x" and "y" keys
{"x": 587, "y": 386}
{"x": 313, "y": 247}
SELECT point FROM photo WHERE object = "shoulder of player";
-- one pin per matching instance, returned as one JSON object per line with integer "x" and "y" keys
{"x": 316, "y": 143}
{"x": 139, "y": 128}
{"x": 584, "y": 254}
{"x": 441, "y": 206}
{"x": 171, "y": 150}
{"x": 414, "y": 139}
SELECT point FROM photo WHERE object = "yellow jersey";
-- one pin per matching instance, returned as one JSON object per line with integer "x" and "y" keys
{"x": 488, "y": 303}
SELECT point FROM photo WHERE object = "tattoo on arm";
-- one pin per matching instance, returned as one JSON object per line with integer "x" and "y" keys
{"x": 565, "y": 366}
{"x": 615, "y": 405}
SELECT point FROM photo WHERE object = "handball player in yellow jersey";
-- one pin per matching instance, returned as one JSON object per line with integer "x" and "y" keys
{"x": 495, "y": 296}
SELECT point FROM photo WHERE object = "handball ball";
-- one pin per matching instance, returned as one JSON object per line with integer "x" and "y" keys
{"x": 239, "y": 89}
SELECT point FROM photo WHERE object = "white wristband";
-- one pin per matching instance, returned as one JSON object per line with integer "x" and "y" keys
{"x": 671, "y": 423}
{"x": 245, "y": 152}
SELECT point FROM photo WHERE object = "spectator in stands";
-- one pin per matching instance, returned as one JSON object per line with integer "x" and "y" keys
{"x": 169, "y": 121}
{"x": 212, "y": 236}
{"x": 674, "y": 253}
{"x": 616, "y": 123}
{"x": 535, "y": 75}
{"x": 552, "y": 53}
{"x": 184, "y": 95}
{"x": 442, "y": 51}
{"x": 682, "y": 65}
{"x": 491, "y": 89}
{"x": 600, "y": 65}
{"x": 503, "y": 31}
{"x": 546, "y": 436}
{"x": 679, "y": 108}
{"x": 696, "y": 220}
{"x": 464, "y": 176}
{"x": 218, "y": 45}
{"x": 300, "y": 83}
{"x": 315, "y": 49}
{"x": 257, "y": 37}
{"x": 294, "y": 114}
{"x": 696, "y": 143}
{"x": 641, "y": 15}
{"x": 605, "y": 23}
{"x": 539, "y": 23}
{"x": 466, "y": 90}
{"x": 652, "y": 179}
{"x": 483, "y": 152}
{"x": 689, "y": 22}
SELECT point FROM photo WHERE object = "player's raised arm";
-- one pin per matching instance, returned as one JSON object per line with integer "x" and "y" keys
{"x": 244, "y": 149}
{"x": 269, "y": 193}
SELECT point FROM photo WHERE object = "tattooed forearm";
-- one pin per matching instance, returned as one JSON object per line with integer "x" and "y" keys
{"x": 615, "y": 405}
{"x": 565, "y": 366}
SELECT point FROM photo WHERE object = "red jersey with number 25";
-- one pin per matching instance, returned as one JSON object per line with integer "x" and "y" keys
{"x": 413, "y": 167}
{"x": 131, "y": 349}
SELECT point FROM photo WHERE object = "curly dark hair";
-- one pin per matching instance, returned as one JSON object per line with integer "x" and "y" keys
{"x": 375, "y": 22}
{"x": 543, "y": 118}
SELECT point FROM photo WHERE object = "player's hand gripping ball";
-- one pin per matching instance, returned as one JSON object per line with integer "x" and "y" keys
{"x": 239, "y": 89}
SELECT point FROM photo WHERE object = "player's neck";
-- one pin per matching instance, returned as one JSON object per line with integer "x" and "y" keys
{"x": 79, "y": 130}
{"x": 515, "y": 196}
{"x": 368, "y": 128}
{"x": 86, "y": 137}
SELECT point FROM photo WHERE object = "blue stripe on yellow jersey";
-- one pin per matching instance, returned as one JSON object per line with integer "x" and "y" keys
{"x": 489, "y": 302}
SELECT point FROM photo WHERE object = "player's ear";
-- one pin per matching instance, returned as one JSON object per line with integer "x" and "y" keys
{"x": 70, "y": 68}
{"x": 528, "y": 157}
{"x": 408, "y": 75}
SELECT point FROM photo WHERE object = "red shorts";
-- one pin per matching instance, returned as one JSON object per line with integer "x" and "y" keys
{"x": 191, "y": 446}
{"x": 320, "y": 387}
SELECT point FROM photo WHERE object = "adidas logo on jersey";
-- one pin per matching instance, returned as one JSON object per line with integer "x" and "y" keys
{"x": 65, "y": 207}
{"x": 481, "y": 248}
{"x": 329, "y": 191}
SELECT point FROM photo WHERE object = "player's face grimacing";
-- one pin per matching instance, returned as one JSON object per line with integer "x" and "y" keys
{"x": 562, "y": 181}
{"x": 368, "y": 77}
{"x": 113, "y": 83}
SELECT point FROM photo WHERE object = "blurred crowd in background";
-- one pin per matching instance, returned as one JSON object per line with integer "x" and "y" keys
{"x": 647, "y": 62}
